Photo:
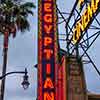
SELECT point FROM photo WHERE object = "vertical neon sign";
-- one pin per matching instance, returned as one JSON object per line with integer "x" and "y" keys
{"x": 62, "y": 83}
{"x": 47, "y": 50}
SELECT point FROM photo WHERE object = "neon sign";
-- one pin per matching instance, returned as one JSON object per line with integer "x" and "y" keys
{"x": 85, "y": 19}
{"x": 80, "y": 2}
{"x": 47, "y": 50}
{"x": 62, "y": 80}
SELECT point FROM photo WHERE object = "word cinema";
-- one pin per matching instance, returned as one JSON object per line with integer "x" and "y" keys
{"x": 47, "y": 50}
{"x": 85, "y": 19}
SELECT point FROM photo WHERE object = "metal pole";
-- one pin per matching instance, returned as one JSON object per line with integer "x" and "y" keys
{"x": 6, "y": 34}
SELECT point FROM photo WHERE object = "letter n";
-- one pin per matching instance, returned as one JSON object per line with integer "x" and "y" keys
{"x": 48, "y": 96}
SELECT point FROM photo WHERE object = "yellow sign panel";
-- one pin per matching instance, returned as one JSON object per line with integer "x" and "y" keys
{"x": 82, "y": 24}
{"x": 80, "y": 2}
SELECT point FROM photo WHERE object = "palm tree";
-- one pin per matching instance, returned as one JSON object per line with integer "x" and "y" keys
{"x": 13, "y": 18}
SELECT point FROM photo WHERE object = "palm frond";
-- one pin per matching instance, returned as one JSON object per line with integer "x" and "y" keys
{"x": 28, "y": 5}
{"x": 24, "y": 9}
{"x": 22, "y": 23}
{"x": 29, "y": 12}
{"x": 9, "y": 3}
{"x": 26, "y": 12}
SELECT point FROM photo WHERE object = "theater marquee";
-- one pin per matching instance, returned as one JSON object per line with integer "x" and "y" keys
{"x": 47, "y": 50}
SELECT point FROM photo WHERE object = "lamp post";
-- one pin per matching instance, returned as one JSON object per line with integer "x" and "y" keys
{"x": 25, "y": 82}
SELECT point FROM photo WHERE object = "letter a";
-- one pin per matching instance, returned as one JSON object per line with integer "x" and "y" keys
{"x": 48, "y": 83}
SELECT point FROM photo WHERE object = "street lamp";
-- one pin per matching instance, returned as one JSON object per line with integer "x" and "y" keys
{"x": 25, "y": 82}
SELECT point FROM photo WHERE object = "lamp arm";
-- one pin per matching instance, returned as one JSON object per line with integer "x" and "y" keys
{"x": 9, "y": 73}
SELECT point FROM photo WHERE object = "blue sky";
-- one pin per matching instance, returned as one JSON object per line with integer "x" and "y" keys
{"x": 23, "y": 53}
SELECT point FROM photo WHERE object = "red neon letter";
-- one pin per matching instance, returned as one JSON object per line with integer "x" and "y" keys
{"x": 48, "y": 18}
{"x": 48, "y": 68}
{"x": 47, "y": 41}
{"x": 48, "y": 83}
{"x": 49, "y": 96}
{"x": 47, "y": 7}
{"x": 48, "y": 28}
{"x": 48, "y": 53}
